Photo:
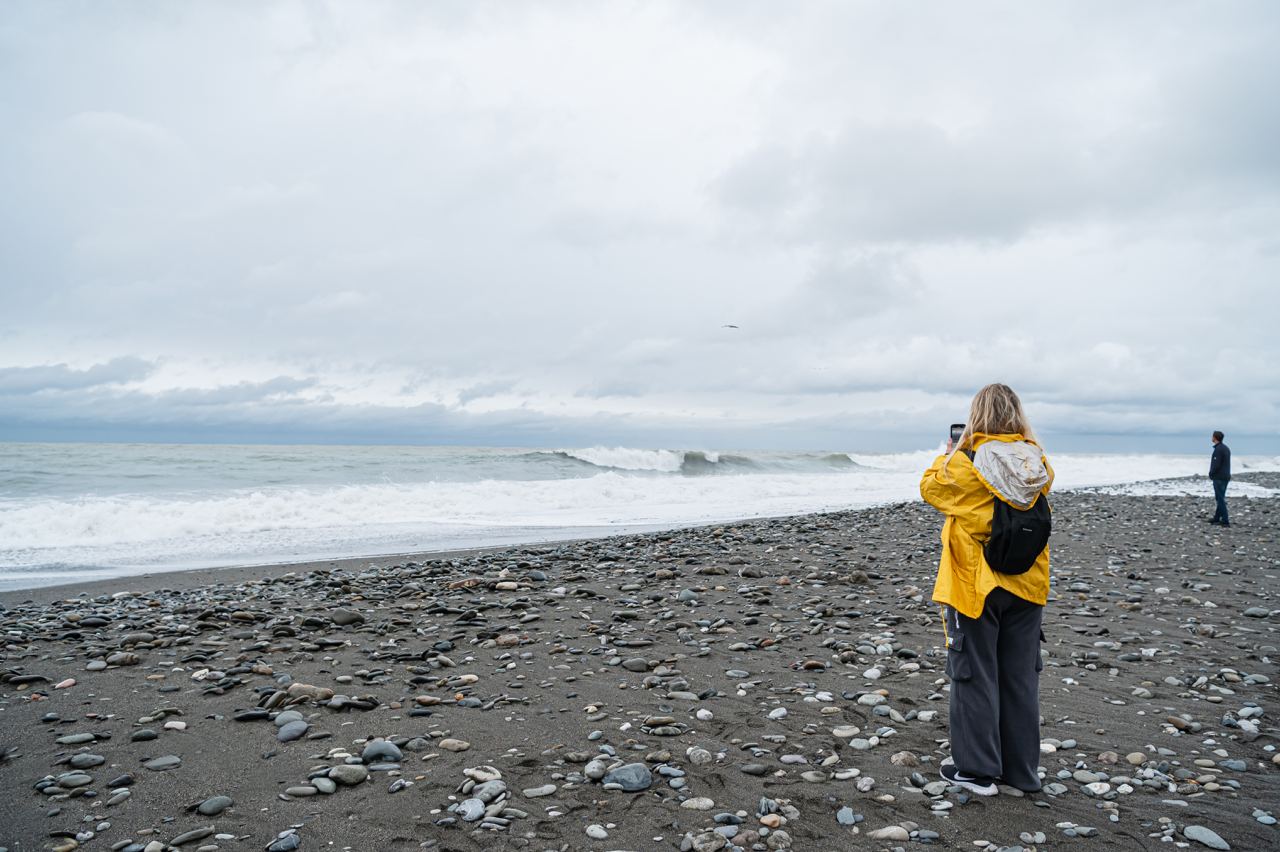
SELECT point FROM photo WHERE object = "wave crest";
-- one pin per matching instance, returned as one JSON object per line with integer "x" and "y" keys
{"x": 686, "y": 462}
{"x": 624, "y": 458}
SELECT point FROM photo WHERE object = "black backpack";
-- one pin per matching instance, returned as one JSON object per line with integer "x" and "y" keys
{"x": 1018, "y": 536}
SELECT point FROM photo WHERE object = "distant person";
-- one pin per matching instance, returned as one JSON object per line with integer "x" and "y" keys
{"x": 991, "y": 618}
{"x": 1220, "y": 475}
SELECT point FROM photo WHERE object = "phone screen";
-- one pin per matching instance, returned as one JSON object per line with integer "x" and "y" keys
{"x": 957, "y": 429}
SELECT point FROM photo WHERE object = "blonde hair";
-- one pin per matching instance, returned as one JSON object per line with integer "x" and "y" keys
{"x": 995, "y": 410}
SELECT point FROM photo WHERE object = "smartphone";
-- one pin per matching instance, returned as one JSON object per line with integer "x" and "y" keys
{"x": 957, "y": 429}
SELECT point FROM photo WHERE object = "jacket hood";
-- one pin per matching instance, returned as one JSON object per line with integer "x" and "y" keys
{"x": 1014, "y": 470}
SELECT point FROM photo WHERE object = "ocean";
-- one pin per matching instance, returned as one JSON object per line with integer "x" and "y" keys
{"x": 76, "y": 512}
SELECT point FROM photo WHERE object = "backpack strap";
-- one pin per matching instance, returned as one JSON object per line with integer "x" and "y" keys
{"x": 969, "y": 453}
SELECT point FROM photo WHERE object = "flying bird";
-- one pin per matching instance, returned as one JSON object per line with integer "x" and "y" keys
{"x": 728, "y": 325}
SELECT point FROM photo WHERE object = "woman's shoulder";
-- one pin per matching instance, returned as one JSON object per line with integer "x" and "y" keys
{"x": 981, "y": 438}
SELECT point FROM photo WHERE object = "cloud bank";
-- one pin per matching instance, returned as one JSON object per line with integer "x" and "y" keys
{"x": 534, "y": 224}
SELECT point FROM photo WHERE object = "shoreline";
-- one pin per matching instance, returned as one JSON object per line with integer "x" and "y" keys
{"x": 187, "y": 578}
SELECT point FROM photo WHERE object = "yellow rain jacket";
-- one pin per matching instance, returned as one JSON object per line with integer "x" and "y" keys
{"x": 956, "y": 488}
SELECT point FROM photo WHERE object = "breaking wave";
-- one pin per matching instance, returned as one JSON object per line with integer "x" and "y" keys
{"x": 100, "y": 510}
{"x": 701, "y": 462}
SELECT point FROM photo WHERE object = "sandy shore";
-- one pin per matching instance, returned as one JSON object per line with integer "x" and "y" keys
{"x": 779, "y": 681}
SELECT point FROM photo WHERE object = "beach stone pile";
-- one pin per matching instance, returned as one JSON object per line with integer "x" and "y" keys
{"x": 763, "y": 685}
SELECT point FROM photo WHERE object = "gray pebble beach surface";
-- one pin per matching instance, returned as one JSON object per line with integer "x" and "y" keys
{"x": 763, "y": 685}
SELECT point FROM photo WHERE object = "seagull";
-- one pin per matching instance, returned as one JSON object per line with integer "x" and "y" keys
{"x": 728, "y": 325}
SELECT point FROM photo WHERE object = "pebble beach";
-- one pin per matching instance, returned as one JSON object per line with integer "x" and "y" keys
{"x": 761, "y": 685}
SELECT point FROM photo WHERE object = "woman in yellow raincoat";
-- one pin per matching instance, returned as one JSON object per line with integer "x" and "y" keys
{"x": 991, "y": 619}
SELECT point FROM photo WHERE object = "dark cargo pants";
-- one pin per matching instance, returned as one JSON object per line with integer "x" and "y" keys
{"x": 994, "y": 665}
{"x": 1220, "y": 500}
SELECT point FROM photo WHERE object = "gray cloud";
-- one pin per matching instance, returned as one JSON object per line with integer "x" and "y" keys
{"x": 522, "y": 224}
{"x": 281, "y": 387}
{"x": 60, "y": 377}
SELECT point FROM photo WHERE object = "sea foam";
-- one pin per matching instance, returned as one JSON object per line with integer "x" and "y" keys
{"x": 459, "y": 498}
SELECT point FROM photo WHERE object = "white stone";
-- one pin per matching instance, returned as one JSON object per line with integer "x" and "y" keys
{"x": 699, "y": 803}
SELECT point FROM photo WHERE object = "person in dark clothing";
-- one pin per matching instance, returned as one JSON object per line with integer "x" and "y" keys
{"x": 1220, "y": 475}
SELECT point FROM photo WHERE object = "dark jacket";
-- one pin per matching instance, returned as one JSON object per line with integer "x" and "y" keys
{"x": 1220, "y": 464}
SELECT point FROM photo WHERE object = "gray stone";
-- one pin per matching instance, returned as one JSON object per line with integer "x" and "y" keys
{"x": 346, "y": 617}
{"x": 381, "y": 750}
{"x": 348, "y": 774}
{"x": 285, "y": 843}
{"x": 539, "y": 792}
{"x": 489, "y": 790}
{"x": 215, "y": 805}
{"x": 192, "y": 835}
{"x": 1205, "y": 836}
{"x": 161, "y": 764}
{"x": 291, "y": 731}
{"x": 470, "y": 809}
{"x": 633, "y": 777}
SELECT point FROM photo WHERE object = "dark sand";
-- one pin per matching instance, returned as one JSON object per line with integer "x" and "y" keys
{"x": 1162, "y": 645}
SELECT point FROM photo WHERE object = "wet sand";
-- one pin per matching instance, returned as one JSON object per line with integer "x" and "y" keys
{"x": 766, "y": 684}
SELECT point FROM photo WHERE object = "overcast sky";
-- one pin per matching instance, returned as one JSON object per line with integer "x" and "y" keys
{"x": 531, "y": 223}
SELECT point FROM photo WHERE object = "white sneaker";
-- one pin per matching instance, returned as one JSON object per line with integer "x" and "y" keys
{"x": 974, "y": 784}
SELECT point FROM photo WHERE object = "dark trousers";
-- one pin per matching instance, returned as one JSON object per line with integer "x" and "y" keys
{"x": 994, "y": 665}
{"x": 1220, "y": 494}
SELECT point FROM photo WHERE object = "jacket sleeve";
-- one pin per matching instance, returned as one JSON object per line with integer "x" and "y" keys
{"x": 1049, "y": 468}
{"x": 939, "y": 489}
{"x": 1215, "y": 463}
